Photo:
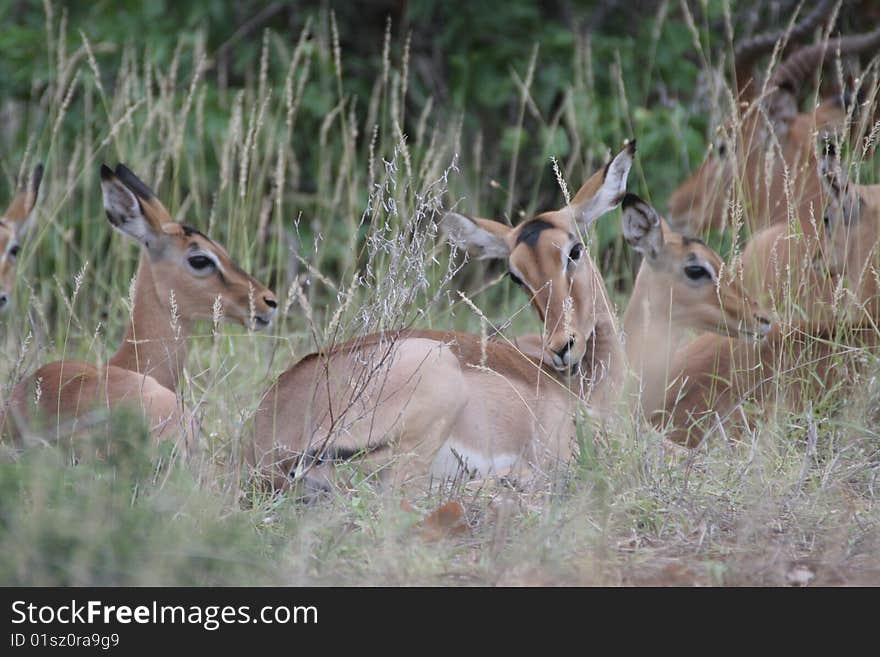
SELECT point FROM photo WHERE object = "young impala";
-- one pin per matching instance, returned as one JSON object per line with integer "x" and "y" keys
{"x": 682, "y": 288}
{"x": 803, "y": 278}
{"x": 13, "y": 223}
{"x": 182, "y": 274}
{"x": 797, "y": 363}
{"x": 766, "y": 152}
{"x": 432, "y": 402}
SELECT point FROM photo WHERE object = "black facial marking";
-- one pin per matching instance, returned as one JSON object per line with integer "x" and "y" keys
{"x": 135, "y": 184}
{"x": 687, "y": 241}
{"x": 332, "y": 454}
{"x": 531, "y": 230}
{"x": 189, "y": 231}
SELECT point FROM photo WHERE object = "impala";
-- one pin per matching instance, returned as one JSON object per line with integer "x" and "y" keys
{"x": 433, "y": 402}
{"x": 682, "y": 288}
{"x": 803, "y": 277}
{"x": 12, "y": 226}
{"x": 181, "y": 276}
{"x": 795, "y": 363}
{"x": 766, "y": 151}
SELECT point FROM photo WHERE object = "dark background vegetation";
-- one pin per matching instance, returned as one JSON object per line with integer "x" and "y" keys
{"x": 464, "y": 55}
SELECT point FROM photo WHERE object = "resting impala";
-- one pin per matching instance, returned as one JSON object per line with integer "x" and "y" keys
{"x": 12, "y": 226}
{"x": 755, "y": 149}
{"x": 182, "y": 273}
{"x": 682, "y": 288}
{"x": 801, "y": 277}
{"x": 796, "y": 363}
{"x": 433, "y": 402}
{"x": 851, "y": 236}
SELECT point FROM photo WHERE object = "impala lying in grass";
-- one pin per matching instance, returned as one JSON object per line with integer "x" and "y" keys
{"x": 424, "y": 403}
{"x": 797, "y": 364}
{"x": 765, "y": 154}
{"x": 182, "y": 277}
{"x": 682, "y": 288}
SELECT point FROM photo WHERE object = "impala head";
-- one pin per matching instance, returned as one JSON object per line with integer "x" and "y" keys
{"x": 183, "y": 260}
{"x": 547, "y": 258}
{"x": 686, "y": 277}
{"x": 740, "y": 148}
{"x": 850, "y": 221}
{"x": 12, "y": 227}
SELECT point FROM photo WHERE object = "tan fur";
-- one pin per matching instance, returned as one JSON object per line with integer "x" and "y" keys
{"x": 723, "y": 381}
{"x": 403, "y": 396}
{"x": 144, "y": 372}
{"x": 427, "y": 403}
{"x": 837, "y": 305}
{"x": 666, "y": 310}
{"x": 701, "y": 202}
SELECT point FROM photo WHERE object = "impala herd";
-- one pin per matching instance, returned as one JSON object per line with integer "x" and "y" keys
{"x": 705, "y": 345}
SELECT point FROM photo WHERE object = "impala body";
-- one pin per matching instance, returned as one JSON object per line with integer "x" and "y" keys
{"x": 428, "y": 403}
{"x": 766, "y": 160}
{"x": 796, "y": 363}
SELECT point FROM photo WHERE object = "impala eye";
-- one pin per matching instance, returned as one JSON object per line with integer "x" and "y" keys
{"x": 13, "y": 252}
{"x": 576, "y": 251}
{"x": 722, "y": 149}
{"x": 200, "y": 262}
{"x": 516, "y": 279}
{"x": 696, "y": 272}
{"x": 826, "y": 219}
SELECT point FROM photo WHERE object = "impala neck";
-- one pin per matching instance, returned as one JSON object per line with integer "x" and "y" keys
{"x": 651, "y": 341}
{"x": 153, "y": 344}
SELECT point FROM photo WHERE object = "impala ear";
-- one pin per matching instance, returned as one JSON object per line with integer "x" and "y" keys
{"x": 126, "y": 199}
{"x": 641, "y": 226}
{"x": 22, "y": 207}
{"x": 843, "y": 199}
{"x": 781, "y": 110}
{"x": 483, "y": 239}
{"x": 605, "y": 188}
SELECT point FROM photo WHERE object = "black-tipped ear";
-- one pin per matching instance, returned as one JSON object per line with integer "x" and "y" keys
{"x": 124, "y": 209}
{"x": 134, "y": 183}
{"x": 641, "y": 226}
{"x": 37, "y": 178}
{"x": 603, "y": 190}
{"x": 629, "y": 200}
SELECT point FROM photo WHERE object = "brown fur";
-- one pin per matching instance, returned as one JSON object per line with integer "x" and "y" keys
{"x": 700, "y": 202}
{"x": 666, "y": 307}
{"x": 144, "y": 372}
{"x": 430, "y": 403}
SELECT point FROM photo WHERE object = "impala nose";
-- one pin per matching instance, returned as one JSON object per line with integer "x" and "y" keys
{"x": 263, "y": 320}
{"x": 562, "y": 355}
